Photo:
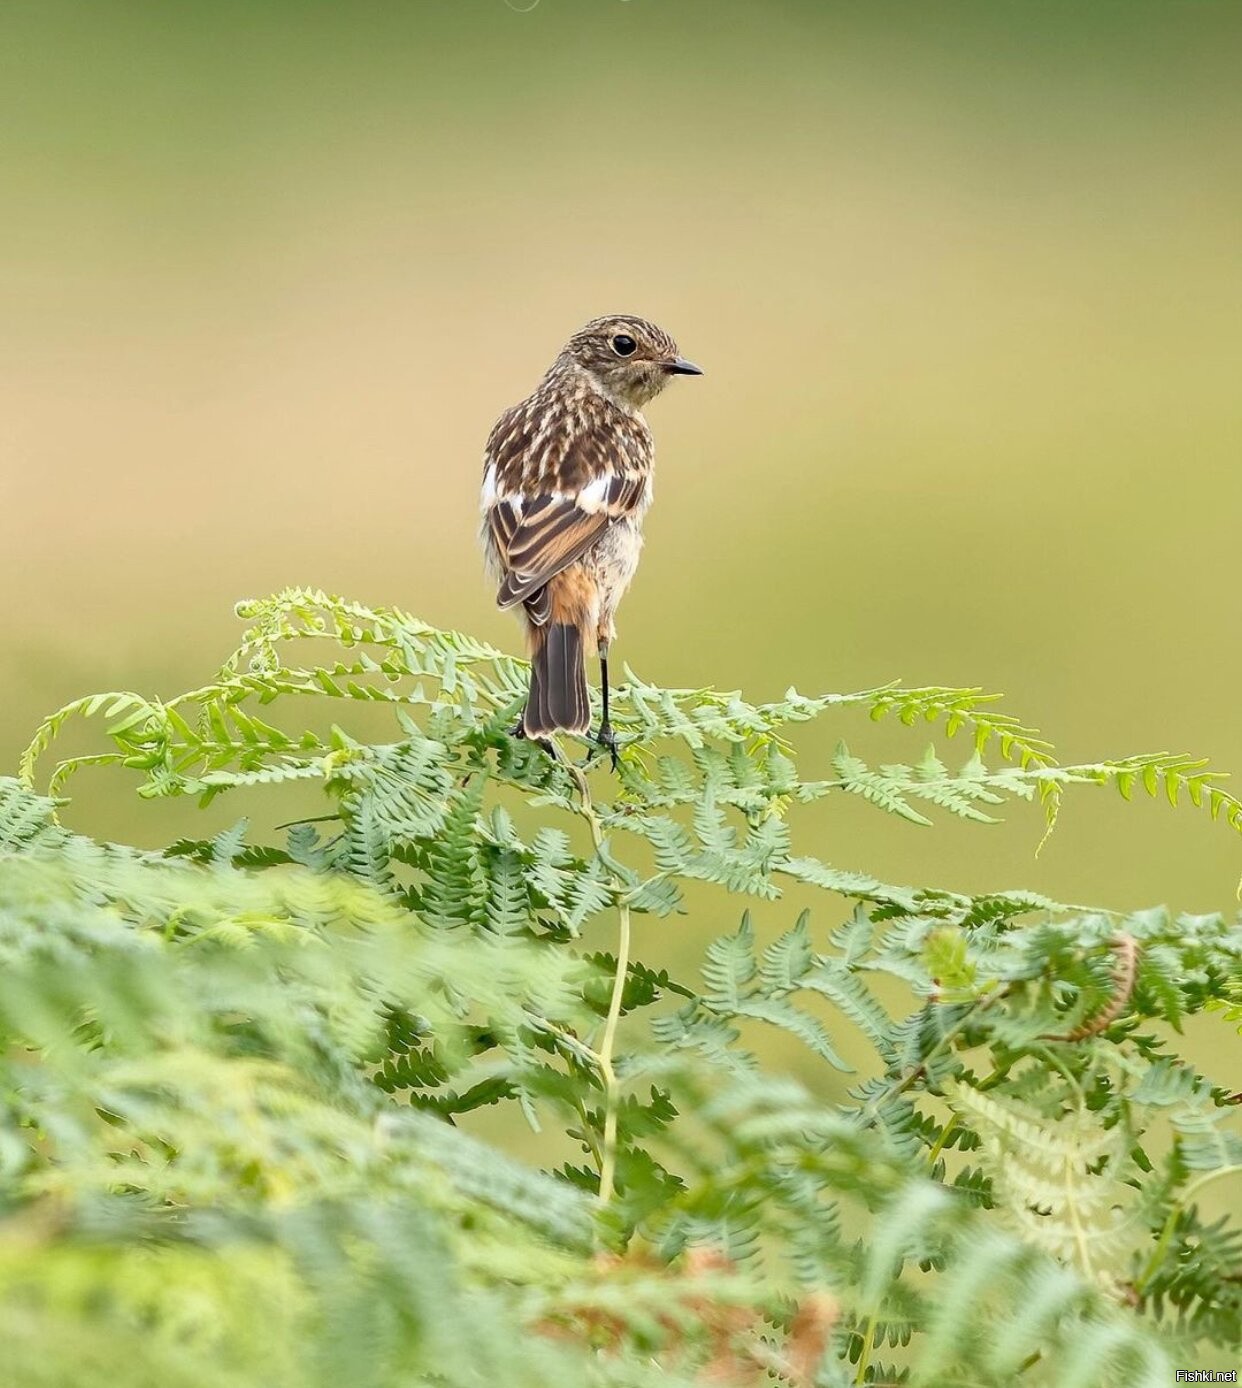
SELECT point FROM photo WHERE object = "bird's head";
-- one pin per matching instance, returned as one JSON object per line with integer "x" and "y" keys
{"x": 630, "y": 359}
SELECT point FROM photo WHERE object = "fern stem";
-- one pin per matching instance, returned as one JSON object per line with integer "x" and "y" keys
{"x": 864, "y": 1354}
{"x": 1206, "y": 1179}
{"x": 588, "y": 1138}
{"x": 945, "y": 1042}
{"x": 1065, "y": 1073}
{"x": 1157, "y": 1253}
{"x": 1082, "y": 1246}
{"x": 607, "y": 1173}
{"x": 608, "y": 1160}
{"x": 1180, "y": 1205}
{"x": 945, "y": 1134}
{"x": 567, "y": 1039}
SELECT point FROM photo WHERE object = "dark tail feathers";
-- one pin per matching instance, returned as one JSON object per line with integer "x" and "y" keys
{"x": 558, "y": 699}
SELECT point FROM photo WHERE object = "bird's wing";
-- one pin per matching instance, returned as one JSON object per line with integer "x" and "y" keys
{"x": 539, "y": 536}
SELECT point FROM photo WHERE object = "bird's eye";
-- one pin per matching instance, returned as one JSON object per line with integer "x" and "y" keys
{"x": 624, "y": 345}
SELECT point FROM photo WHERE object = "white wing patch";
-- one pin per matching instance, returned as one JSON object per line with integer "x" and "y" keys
{"x": 593, "y": 496}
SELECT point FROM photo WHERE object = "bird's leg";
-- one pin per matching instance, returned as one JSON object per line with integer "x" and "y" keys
{"x": 606, "y": 737}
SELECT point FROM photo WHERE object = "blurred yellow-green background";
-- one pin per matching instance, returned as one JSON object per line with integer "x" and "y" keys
{"x": 966, "y": 280}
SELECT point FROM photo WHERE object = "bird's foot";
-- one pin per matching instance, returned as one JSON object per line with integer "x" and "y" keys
{"x": 543, "y": 743}
{"x": 606, "y": 740}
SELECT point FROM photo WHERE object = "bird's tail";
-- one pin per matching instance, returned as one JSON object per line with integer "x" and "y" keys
{"x": 558, "y": 700}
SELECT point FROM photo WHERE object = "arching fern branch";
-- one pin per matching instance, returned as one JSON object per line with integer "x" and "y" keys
{"x": 704, "y": 742}
{"x": 238, "y": 1064}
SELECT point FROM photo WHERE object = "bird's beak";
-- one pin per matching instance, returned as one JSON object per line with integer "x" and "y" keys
{"x": 679, "y": 366}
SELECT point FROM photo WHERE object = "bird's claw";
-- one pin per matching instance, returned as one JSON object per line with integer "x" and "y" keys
{"x": 606, "y": 740}
{"x": 545, "y": 744}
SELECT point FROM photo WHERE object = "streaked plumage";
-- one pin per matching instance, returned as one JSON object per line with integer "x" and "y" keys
{"x": 567, "y": 480}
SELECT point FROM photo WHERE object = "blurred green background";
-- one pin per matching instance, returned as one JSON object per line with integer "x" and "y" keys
{"x": 966, "y": 280}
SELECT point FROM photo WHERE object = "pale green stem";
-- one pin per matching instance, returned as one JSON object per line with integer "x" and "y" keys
{"x": 945, "y": 1042}
{"x": 1170, "y": 1224}
{"x": 864, "y": 1355}
{"x": 1081, "y": 1243}
{"x": 612, "y": 1096}
{"x": 945, "y": 1134}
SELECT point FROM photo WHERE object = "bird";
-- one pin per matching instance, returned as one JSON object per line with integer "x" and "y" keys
{"x": 567, "y": 480}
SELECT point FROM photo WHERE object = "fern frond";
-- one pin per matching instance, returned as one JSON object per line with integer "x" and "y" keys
{"x": 230, "y": 1072}
{"x": 1063, "y": 1182}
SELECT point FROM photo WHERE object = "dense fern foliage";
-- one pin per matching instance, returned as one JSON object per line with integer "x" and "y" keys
{"x": 242, "y": 1081}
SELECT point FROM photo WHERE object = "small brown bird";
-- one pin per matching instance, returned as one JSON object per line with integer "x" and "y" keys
{"x": 566, "y": 483}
